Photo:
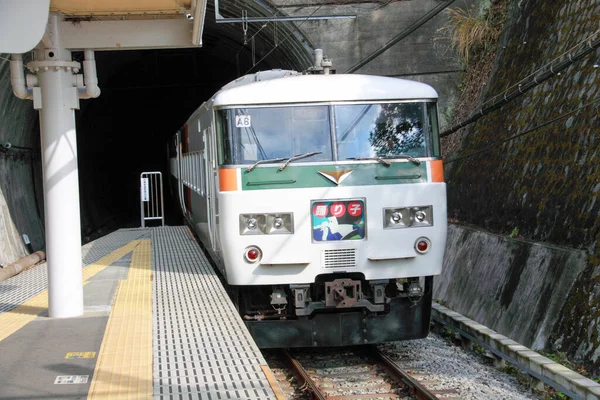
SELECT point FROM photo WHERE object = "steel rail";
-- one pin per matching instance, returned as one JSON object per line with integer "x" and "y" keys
{"x": 303, "y": 374}
{"x": 415, "y": 388}
{"x": 420, "y": 391}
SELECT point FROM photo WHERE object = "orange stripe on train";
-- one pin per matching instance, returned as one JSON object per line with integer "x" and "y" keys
{"x": 228, "y": 179}
{"x": 437, "y": 171}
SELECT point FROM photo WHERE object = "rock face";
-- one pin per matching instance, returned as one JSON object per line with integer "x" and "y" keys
{"x": 18, "y": 205}
{"x": 539, "y": 176}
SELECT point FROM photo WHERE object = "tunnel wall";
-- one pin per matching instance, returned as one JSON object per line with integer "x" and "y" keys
{"x": 424, "y": 55}
{"x": 19, "y": 212}
{"x": 542, "y": 185}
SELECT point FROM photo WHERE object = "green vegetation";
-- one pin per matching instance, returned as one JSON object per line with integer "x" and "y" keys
{"x": 478, "y": 349}
{"x": 471, "y": 31}
{"x": 441, "y": 302}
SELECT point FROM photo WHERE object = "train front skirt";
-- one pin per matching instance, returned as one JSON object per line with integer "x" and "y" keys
{"x": 406, "y": 320}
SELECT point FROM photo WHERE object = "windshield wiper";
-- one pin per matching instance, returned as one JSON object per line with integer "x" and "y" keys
{"x": 404, "y": 156}
{"x": 381, "y": 160}
{"x": 272, "y": 160}
{"x": 297, "y": 157}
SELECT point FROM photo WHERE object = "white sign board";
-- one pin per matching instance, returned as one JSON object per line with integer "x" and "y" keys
{"x": 71, "y": 379}
{"x": 243, "y": 121}
{"x": 22, "y": 24}
{"x": 144, "y": 190}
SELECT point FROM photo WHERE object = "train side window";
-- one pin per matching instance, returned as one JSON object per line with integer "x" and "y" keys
{"x": 434, "y": 134}
{"x": 224, "y": 137}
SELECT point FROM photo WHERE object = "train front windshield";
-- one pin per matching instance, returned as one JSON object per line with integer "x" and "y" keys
{"x": 336, "y": 132}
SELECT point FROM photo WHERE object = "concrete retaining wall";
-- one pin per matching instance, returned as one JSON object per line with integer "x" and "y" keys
{"x": 543, "y": 184}
{"x": 516, "y": 287}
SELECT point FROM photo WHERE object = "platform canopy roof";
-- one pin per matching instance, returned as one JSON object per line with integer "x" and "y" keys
{"x": 103, "y": 25}
{"x": 121, "y": 8}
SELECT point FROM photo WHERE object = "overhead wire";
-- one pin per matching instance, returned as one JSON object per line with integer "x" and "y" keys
{"x": 410, "y": 29}
{"x": 284, "y": 40}
{"x": 263, "y": 26}
{"x": 523, "y": 86}
{"x": 498, "y": 142}
{"x": 545, "y": 66}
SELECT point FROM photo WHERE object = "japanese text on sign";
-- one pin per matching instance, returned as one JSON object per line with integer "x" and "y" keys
{"x": 144, "y": 190}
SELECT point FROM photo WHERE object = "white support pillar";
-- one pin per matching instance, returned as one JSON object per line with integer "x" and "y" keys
{"x": 55, "y": 89}
{"x": 61, "y": 192}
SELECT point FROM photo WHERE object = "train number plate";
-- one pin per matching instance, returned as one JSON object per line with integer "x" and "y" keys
{"x": 335, "y": 220}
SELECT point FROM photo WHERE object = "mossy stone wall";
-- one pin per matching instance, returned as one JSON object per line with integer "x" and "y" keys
{"x": 545, "y": 183}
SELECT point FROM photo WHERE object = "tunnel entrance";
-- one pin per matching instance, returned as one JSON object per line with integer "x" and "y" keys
{"x": 146, "y": 96}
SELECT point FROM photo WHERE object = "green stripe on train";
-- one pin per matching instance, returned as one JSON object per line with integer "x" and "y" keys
{"x": 306, "y": 176}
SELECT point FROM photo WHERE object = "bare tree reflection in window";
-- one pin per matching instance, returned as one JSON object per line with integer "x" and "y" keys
{"x": 399, "y": 130}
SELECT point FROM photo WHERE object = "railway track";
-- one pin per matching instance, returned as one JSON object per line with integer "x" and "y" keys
{"x": 356, "y": 373}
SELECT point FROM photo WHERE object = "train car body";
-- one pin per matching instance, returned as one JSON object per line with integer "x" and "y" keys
{"x": 322, "y": 201}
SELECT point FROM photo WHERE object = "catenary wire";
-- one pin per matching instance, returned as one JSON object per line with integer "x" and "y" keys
{"x": 498, "y": 142}
{"x": 284, "y": 40}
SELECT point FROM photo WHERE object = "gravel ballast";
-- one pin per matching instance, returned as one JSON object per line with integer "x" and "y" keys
{"x": 447, "y": 366}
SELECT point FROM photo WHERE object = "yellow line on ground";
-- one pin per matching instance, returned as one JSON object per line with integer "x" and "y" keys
{"x": 13, "y": 320}
{"x": 124, "y": 367}
{"x": 107, "y": 260}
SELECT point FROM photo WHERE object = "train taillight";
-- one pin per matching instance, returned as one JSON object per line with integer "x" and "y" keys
{"x": 422, "y": 245}
{"x": 252, "y": 254}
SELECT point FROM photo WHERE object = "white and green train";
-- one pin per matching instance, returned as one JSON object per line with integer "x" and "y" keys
{"x": 321, "y": 198}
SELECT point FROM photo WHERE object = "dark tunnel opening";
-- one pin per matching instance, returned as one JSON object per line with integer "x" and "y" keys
{"x": 147, "y": 95}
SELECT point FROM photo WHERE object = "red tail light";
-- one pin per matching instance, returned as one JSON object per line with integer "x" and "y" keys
{"x": 422, "y": 245}
{"x": 252, "y": 254}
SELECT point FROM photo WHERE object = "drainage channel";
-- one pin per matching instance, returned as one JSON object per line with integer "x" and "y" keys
{"x": 501, "y": 349}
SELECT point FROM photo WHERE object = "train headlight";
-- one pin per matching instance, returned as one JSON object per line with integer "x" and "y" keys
{"x": 251, "y": 223}
{"x": 422, "y": 216}
{"x": 277, "y": 223}
{"x": 266, "y": 224}
{"x": 396, "y": 218}
{"x": 407, "y": 217}
{"x": 280, "y": 223}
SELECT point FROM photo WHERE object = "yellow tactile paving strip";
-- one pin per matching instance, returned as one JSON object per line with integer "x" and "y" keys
{"x": 13, "y": 320}
{"x": 124, "y": 367}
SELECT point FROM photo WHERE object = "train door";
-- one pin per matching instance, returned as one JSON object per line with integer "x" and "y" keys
{"x": 180, "y": 172}
{"x": 211, "y": 182}
{"x": 209, "y": 161}
{"x": 206, "y": 172}
{"x": 186, "y": 193}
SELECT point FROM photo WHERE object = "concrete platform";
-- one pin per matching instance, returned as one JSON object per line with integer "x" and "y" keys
{"x": 157, "y": 324}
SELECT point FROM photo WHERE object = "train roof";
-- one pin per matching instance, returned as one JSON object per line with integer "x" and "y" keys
{"x": 322, "y": 88}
